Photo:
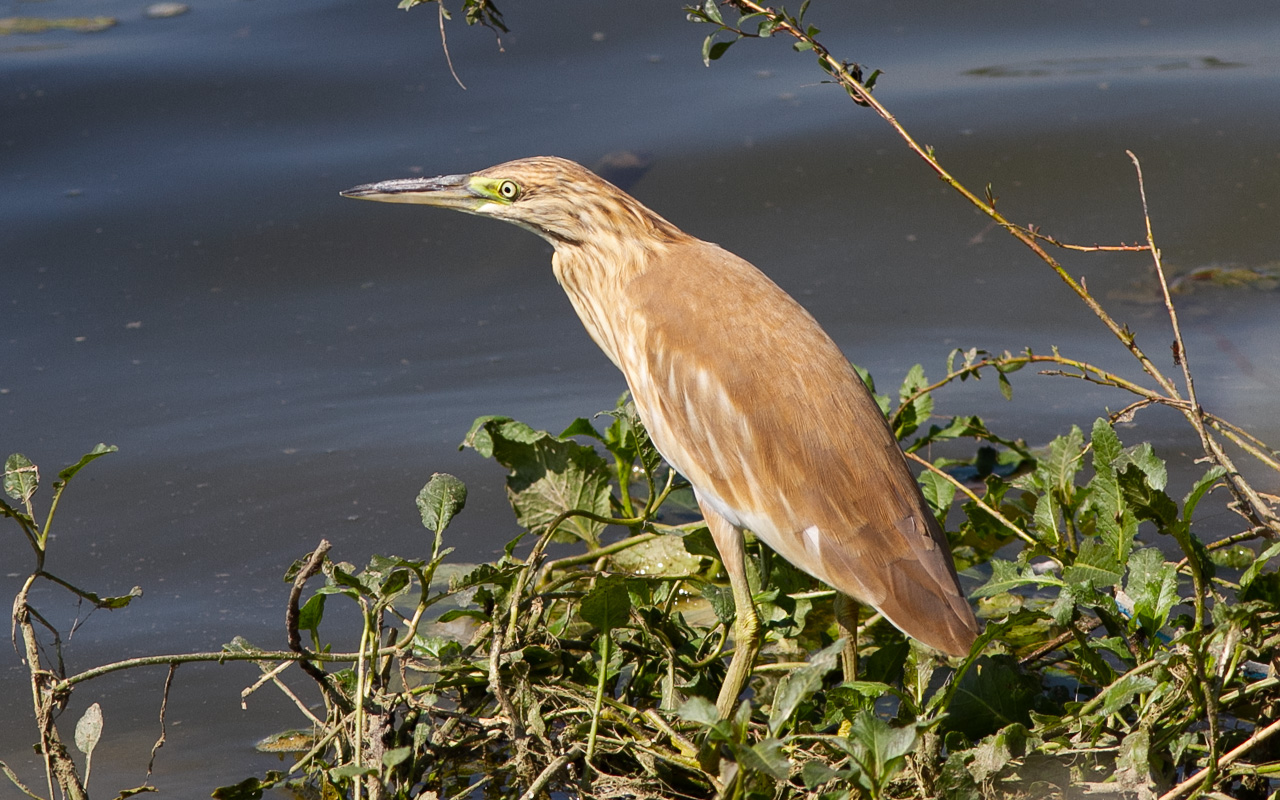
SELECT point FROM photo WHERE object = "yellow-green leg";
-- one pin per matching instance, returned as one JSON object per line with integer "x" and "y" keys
{"x": 746, "y": 629}
{"x": 847, "y": 619}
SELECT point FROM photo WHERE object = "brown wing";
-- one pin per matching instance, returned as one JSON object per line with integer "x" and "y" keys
{"x": 745, "y": 394}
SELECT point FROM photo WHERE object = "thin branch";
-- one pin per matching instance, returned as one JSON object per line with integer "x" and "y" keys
{"x": 218, "y": 657}
{"x": 1087, "y": 248}
{"x": 1258, "y": 737}
{"x": 444, "y": 45}
{"x": 13, "y": 778}
{"x": 550, "y": 771}
{"x": 164, "y": 704}
{"x": 984, "y": 505}
{"x": 862, "y": 95}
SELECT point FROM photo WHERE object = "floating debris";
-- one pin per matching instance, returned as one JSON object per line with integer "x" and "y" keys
{"x": 1264, "y": 278}
{"x": 287, "y": 742}
{"x": 165, "y": 10}
{"x": 1230, "y": 276}
{"x": 1100, "y": 65}
{"x": 9, "y": 25}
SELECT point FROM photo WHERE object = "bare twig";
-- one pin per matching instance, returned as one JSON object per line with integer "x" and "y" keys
{"x": 13, "y": 778}
{"x": 550, "y": 771}
{"x": 313, "y": 565}
{"x": 984, "y": 505}
{"x": 1259, "y": 736}
{"x": 1256, "y": 510}
{"x": 164, "y": 704}
{"x": 863, "y": 96}
{"x": 444, "y": 45}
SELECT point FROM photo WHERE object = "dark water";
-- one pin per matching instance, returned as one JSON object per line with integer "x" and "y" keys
{"x": 278, "y": 364}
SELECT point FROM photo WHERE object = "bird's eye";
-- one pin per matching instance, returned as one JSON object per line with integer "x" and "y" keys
{"x": 508, "y": 190}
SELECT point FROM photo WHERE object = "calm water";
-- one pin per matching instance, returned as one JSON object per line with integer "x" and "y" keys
{"x": 278, "y": 364}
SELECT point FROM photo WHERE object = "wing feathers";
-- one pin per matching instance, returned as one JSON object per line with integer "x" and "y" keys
{"x": 745, "y": 394}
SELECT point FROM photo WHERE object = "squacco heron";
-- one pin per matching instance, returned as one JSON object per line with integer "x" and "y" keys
{"x": 741, "y": 391}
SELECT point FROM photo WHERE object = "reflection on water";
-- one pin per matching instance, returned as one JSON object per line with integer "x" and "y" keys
{"x": 278, "y": 364}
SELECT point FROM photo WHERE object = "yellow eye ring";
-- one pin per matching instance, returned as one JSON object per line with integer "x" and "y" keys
{"x": 508, "y": 190}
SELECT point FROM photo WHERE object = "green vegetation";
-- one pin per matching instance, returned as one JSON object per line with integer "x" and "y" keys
{"x": 1106, "y": 664}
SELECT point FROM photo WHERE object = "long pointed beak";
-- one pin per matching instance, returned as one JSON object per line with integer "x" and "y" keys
{"x": 447, "y": 191}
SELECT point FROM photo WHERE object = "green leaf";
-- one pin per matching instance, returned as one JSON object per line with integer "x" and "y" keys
{"x": 1144, "y": 458}
{"x": 608, "y": 605}
{"x": 718, "y": 49}
{"x": 1095, "y": 567}
{"x": 1047, "y": 515}
{"x": 1105, "y": 494}
{"x": 459, "y": 613}
{"x": 486, "y": 574}
{"x": 881, "y": 400}
{"x": 311, "y": 613}
{"x": 112, "y": 603}
{"x": 800, "y": 684}
{"x": 851, "y": 697}
{"x": 698, "y": 542}
{"x": 816, "y": 773}
{"x": 581, "y": 427}
{"x": 712, "y": 11}
{"x": 699, "y": 710}
{"x": 1265, "y": 587}
{"x": 351, "y": 771}
{"x": 247, "y": 789}
{"x": 1146, "y": 500}
{"x": 1255, "y": 568}
{"x": 992, "y": 694}
{"x": 1006, "y": 388}
{"x": 98, "y": 451}
{"x": 21, "y": 477}
{"x": 440, "y": 500}
{"x": 1121, "y": 693}
{"x": 993, "y": 754}
{"x": 396, "y": 756}
{"x": 885, "y": 665}
{"x": 481, "y": 436}
{"x": 722, "y": 602}
{"x": 393, "y": 584}
{"x": 910, "y": 417}
{"x": 877, "y": 750}
{"x": 766, "y": 756}
{"x": 1204, "y": 485}
{"x": 1118, "y": 534}
{"x": 89, "y": 729}
{"x": 549, "y": 475}
{"x": 1060, "y": 467}
{"x": 1153, "y": 588}
{"x": 437, "y": 648}
{"x": 626, "y": 438}
{"x": 1006, "y": 576}
{"x": 1133, "y": 766}
{"x": 938, "y": 493}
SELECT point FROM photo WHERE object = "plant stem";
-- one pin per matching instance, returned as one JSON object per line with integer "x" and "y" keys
{"x": 599, "y": 698}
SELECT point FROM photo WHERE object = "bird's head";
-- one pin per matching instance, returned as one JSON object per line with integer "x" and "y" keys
{"x": 557, "y": 199}
{"x": 561, "y": 201}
